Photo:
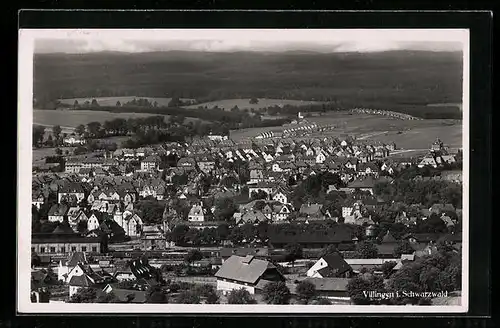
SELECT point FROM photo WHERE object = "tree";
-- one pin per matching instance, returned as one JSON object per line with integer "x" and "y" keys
{"x": 118, "y": 104}
{"x": 293, "y": 252}
{"x": 188, "y": 297}
{"x": 387, "y": 268}
{"x": 193, "y": 256}
{"x": 94, "y": 128}
{"x": 209, "y": 292}
{"x": 330, "y": 249}
{"x": 56, "y": 131}
{"x": 276, "y": 293}
{"x": 75, "y": 104}
{"x": 156, "y": 295}
{"x": 260, "y": 194}
{"x": 35, "y": 219}
{"x": 58, "y": 151}
{"x": 358, "y": 288}
{"x": 403, "y": 247}
{"x": 178, "y": 233}
{"x": 305, "y": 291}
{"x": 38, "y": 133}
{"x": 225, "y": 209}
{"x": 253, "y": 101}
{"x": 366, "y": 250}
{"x": 84, "y": 295}
{"x": 94, "y": 103}
{"x": 240, "y": 296}
{"x": 108, "y": 298}
{"x": 35, "y": 260}
{"x": 259, "y": 205}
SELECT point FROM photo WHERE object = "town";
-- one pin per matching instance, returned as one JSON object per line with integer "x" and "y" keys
{"x": 277, "y": 218}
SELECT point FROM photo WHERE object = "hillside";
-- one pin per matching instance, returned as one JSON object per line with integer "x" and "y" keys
{"x": 396, "y": 77}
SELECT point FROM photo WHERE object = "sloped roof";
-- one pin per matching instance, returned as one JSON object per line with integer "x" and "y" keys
{"x": 81, "y": 281}
{"x": 388, "y": 238}
{"x": 75, "y": 258}
{"x": 63, "y": 229}
{"x": 329, "y": 284}
{"x": 336, "y": 264}
{"x": 243, "y": 269}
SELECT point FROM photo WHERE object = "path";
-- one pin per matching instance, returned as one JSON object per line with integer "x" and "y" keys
{"x": 373, "y": 134}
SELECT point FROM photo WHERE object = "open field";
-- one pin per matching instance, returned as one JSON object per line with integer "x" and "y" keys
{"x": 406, "y": 134}
{"x": 39, "y": 154}
{"x": 394, "y": 80}
{"x": 244, "y": 103}
{"x": 73, "y": 118}
{"x": 111, "y": 101}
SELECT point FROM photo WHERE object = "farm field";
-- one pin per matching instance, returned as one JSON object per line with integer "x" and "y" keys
{"x": 244, "y": 103}
{"x": 73, "y": 118}
{"x": 111, "y": 101}
{"x": 406, "y": 134}
{"x": 39, "y": 154}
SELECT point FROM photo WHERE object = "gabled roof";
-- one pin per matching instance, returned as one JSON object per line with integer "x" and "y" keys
{"x": 336, "y": 264}
{"x": 81, "y": 281}
{"x": 246, "y": 269}
{"x": 388, "y": 238}
{"x": 75, "y": 258}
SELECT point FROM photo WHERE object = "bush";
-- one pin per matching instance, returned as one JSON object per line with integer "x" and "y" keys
{"x": 240, "y": 296}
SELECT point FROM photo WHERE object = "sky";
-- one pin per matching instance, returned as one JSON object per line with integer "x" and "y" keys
{"x": 136, "y": 41}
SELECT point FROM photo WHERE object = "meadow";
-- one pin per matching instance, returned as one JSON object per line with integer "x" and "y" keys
{"x": 244, "y": 103}
{"x": 111, "y": 101}
{"x": 73, "y": 118}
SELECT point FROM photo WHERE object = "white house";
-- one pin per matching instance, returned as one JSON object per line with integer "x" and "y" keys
{"x": 196, "y": 213}
{"x": 330, "y": 266}
{"x": 246, "y": 272}
{"x": 281, "y": 197}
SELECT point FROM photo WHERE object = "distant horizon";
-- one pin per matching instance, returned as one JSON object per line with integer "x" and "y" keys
{"x": 458, "y": 51}
{"x": 250, "y": 40}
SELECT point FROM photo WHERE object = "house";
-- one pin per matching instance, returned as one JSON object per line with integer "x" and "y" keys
{"x": 428, "y": 160}
{"x": 280, "y": 196}
{"x": 73, "y": 140}
{"x": 150, "y": 163}
{"x": 338, "y": 236}
{"x": 75, "y": 216}
{"x": 330, "y": 266}
{"x": 132, "y": 224}
{"x": 43, "y": 243}
{"x": 37, "y": 198}
{"x": 73, "y": 260}
{"x": 126, "y": 295}
{"x": 152, "y": 237}
{"x": 268, "y": 188}
{"x": 252, "y": 217}
{"x": 95, "y": 220}
{"x": 247, "y": 272}
{"x": 79, "y": 280}
{"x": 311, "y": 212}
{"x": 281, "y": 213}
{"x": 206, "y": 164}
{"x": 196, "y": 213}
{"x": 329, "y": 287}
{"x": 57, "y": 213}
{"x": 363, "y": 184}
{"x": 258, "y": 252}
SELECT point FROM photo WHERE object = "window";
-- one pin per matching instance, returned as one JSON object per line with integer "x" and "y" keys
{"x": 84, "y": 248}
{"x": 73, "y": 248}
{"x": 94, "y": 249}
{"x": 52, "y": 249}
{"x": 42, "y": 249}
{"x": 63, "y": 250}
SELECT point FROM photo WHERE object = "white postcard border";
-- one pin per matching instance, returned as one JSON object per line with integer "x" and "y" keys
{"x": 24, "y": 174}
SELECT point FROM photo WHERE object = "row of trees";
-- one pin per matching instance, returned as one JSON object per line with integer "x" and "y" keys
{"x": 440, "y": 272}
